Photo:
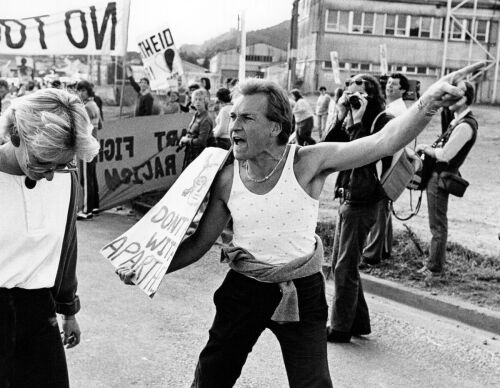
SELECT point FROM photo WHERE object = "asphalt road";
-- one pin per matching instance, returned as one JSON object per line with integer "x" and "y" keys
{"x": 130, "y": 340}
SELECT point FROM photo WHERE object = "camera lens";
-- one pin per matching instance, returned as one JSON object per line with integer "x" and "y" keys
{"x": 355, "y": 102}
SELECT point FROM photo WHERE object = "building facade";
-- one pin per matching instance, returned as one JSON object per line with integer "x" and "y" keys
{"x": 258, "y": 57}
{"x": 410, "y": 33}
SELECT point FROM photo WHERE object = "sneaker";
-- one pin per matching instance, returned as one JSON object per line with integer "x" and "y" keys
{"x": 368, "y": 263}
{"x": 424, "y": 271}
{"x": 96, "y": 211}
{"x": 84, "y": 216}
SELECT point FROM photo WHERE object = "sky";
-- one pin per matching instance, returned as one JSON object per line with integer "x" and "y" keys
{"x": 190, "y": 21}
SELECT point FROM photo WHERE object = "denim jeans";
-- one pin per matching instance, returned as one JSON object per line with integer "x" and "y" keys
{"x": 437, "y": 205}
{"x": 31, "y": 350}
{"x": 379, "y": 241}
{"x": 349, "y": 310}
{"x": 244, "y": 308}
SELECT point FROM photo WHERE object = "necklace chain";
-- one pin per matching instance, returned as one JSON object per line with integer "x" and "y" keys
{"x": 268, "y": 175}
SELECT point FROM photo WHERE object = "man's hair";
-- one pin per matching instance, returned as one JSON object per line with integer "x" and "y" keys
{"x": 278, "y": 105}
{"x": 296, "y": 93}
{"x": 4, "y": 83}
{"x": 469, "y": 92}
{"x": 224, "y": 95}
{"x": 193, "y": 87}
{"x": 50, "y": 123}
{"x": 205, "y": 82}
{"x": 145, "y": 80}
{"x": 321, "y": 88}
{"x": 85, "y": 85}
{"x": 403, "y": 81}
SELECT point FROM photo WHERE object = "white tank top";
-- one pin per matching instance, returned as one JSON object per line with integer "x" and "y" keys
{"x": 276, "y": 227}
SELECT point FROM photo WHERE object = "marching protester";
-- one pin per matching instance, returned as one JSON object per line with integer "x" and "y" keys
{"x": 379, "y": 241}
{"x": 200, "y": 129}
{"x": 87, "y": 169}
{"x": 5, "y": 97}
{"x": 187, "y": 106}
{"x": 145, "y": 101}
{"x": 272, "y": 193}
{"x": 447, "y": 155}
{"x": 221, "y": 130}
{"x": 360, "y": 112}
{"x": 172, "y": 105}
{"x": 322, "y": 104}
{"x": 46, "y": 130}
{"x": 304, "y": 121}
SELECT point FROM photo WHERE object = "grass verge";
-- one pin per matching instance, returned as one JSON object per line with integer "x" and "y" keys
{"x": 469, "y": 276}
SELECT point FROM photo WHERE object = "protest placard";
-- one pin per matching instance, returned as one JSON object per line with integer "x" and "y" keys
{"x": 138, "y": 155}
{"x": 160, "y": 58}
{"x": 149, "y": 246}
{"x": 96, "y": 28}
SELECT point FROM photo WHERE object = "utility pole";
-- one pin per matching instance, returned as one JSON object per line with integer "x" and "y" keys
{"x": 292, "y": 52}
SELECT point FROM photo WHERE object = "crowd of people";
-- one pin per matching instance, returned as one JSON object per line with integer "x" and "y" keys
{"x": 270, "y": 193}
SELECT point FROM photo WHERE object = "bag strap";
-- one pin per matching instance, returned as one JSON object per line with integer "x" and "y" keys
{"x": 443, "y": 135}
{"x": 375, "y": 120}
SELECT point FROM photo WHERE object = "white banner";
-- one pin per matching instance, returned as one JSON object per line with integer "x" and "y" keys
{"x": 161, "y": 59}
{"x": 334, "y": 57}
{"x": 149, "y": 246}
{"x": 99, "y": 28}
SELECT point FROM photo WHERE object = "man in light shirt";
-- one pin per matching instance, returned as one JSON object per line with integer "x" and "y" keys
{"x": 450, "y": 153}
{"x": 321, "y": 112}
{"x": 379, "y": 241}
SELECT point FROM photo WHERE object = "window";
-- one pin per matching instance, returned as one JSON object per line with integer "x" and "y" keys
{"x": 481, "y": 30}
{"x": 395, "y": 25}
{"x": 364, "y": 66}
{"x": 327, "y": 64}
{"x": 421, "y": 70}
{"x": 332, "y": 20}
{"x": 425, "y": 26}
{"x": 457, "y": 31}
{"x": 357, "y": 22}
{"x": 358, "y": 66}
{"x": 390, "y": 24}
{"x": 259, "y": 58}
{"x": 368, "y": 22}
{"x": 414, "y": 26}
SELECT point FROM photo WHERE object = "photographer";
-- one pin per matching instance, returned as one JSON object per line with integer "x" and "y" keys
{"x": 360, "y": 112}
{"x": 449, "y": 154}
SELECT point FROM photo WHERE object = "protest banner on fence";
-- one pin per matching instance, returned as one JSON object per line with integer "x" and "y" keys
{"x": 149, "y": 246}
{"x": 384, "y": 67}
{"x": 138, "y": 155}
{"x": 160, "y": 58}
{"x": 96, "y": 28}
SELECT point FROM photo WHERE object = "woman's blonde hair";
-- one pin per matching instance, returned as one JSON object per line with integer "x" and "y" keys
{"x": 51, "y": 123}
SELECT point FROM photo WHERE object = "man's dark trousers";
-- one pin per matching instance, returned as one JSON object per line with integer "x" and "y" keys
{"x": 244, "y": 309}
{"x": 350, "y": 311}
{"x": 437, "y": 204}
{"x": 379, "y": 242}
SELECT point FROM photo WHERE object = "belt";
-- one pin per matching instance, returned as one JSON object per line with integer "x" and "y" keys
{"x": 345, "y": 196}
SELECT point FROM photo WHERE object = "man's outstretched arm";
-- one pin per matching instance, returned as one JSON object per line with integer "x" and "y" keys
{"x": 396, "y": 134}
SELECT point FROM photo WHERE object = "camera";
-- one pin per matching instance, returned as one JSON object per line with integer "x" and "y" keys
{"x": 354, "y": 101}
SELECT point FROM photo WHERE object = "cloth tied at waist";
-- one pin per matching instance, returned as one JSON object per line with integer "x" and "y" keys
{"x": 243, "y": 262}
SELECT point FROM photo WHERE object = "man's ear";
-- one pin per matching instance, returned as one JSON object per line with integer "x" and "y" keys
{"x": 276, "y": 130}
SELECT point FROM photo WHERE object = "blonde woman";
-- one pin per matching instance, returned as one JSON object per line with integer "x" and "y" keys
{"x": 44, "y": 132}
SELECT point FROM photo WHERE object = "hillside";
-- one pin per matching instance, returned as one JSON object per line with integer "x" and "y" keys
{"x": 278, "y": 36}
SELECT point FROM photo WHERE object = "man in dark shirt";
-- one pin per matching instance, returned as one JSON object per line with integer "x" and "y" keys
{"x": 145, "y": 102}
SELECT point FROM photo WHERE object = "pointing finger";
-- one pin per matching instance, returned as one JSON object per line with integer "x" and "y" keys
{"x": 462, "y": 73}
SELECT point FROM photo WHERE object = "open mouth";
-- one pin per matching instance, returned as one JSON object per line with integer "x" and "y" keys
{"x": 238, "y": 140}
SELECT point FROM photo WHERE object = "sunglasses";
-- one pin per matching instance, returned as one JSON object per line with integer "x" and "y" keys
{"x": 62, "y": 168}
{"x": 358, "y": 82}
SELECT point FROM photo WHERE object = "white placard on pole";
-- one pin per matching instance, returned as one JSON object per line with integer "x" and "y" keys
{"x": 334, "y": 58}
{"x": 160, "y": 58}
{"x": 384, "y": 67}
